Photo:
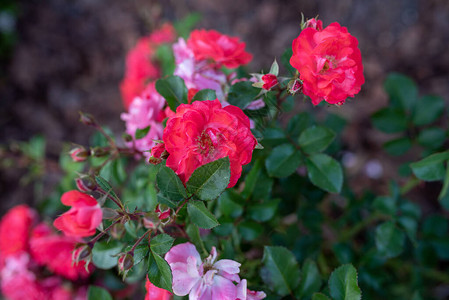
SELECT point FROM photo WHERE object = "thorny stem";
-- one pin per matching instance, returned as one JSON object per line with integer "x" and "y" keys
{"x": 138, "y": 241}
{"x": 92, "y": 242}
{"x": 116, "y": 201}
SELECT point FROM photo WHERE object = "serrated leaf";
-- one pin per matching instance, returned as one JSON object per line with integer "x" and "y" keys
{"x": 206, "y": 94}
{"x": 319, "y": 296}
{"x": 263, "y": 212}
{"x": 310, "y": 280}
{"x": 283, "y": 161}
{"x": 249, "y": 230}
{"x": 402, "y": 91}
{"x": 315, "y": 139}
{"x": 390, "y": 120}
{"x": 428, "y": 110}
{"x": 105, "y": 186}
{"x": 430, "y": 168}
{"x": 210, "y": 180}
{"x": 280, "y": 270}
{"x": 140, "y": 253}
{"x": 194, "y": 234}
{"x": 173, "y": 89}
{"x": 141, "y": 133}
{"x": 161, "y": 243}
{"x": 432, "y": 138}
{"x": 398, "y": 146}
{"x": 170, "y": 185}
{"x": 159, "y": 272}
{"x": 200, "y": 215}
{"x": 445, "y": 189}
{"x": 343, "y": 284}
{"x": 98, "y": 293}
{"x": 389, "y": 240}
{"x": 242, "y": 94}
{"x": 325, "y": 172}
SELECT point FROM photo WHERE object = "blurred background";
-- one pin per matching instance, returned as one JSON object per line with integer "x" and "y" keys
{"x": 58, "y": 57}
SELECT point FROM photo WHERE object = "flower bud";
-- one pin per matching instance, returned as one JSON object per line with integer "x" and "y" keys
{"x": 151, "y": 220}
{"x": 99, "y": 152}
{"x": 117, "y": 231}
{"x": 125, "y": 262}
{"x": 313, "y": 23}
{"x": 79, "y": 154}
{"x": 163, "y": 211}
{"x": 269, "y": 81}
{"x": 85, "y": 185}
{"x": 294, "y": 86}
{"x": 158, "y": 153}
{"x": 87, "y": 119}
{"x": 82, "y": 253}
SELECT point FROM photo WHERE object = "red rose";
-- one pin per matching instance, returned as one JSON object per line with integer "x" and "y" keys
{"x": 15, "y": 229}
{"x": 329, "y": 63}
{"x": 269, "y": 80}
{"x": 202, "y": 132}
{"x": 55, "y": 252}
{"x": 84, "y": 216}
{"x": 155, "y": 293}
{"x": 222, "y": 49}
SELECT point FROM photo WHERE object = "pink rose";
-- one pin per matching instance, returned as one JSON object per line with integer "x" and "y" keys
{"x": 329, "y": 63}
{"x": 221, "y": 49}
{"x": 155, "y": 293}
{"x": 84, "y": 216}
{"x": 202, "y": 280}
{"x": 202, "y": 132}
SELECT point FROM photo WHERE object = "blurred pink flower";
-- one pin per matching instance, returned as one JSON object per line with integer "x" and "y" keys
{"x": 145, "y": 111}
{"x": 202, "y": 280}
{"x": 244, "y": 294}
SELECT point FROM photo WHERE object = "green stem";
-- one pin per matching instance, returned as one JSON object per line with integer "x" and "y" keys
{"x": 92, "y": 242}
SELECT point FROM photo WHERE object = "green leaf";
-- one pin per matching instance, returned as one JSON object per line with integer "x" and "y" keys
{"x": 170, "y": 185}
{"x": 242, "y": 94}
{"x": 206, "y": 94}
{"x": 283, "y": 161}
{"x": 104, "y": 254}
{"x": 159, "y": 272}
{"x": 274, "y": 137}
{"x": 250, "y": 230}
{"x": 185, "y": 25}
{"x": 141, "y": 133}
{"x": 258, "y": 184}
{"x": 229, "y": 205}
{"x": 430, "y": 168}
{"x": 97, "y": 293}
{"x": 398, "y": 146}
{"x": 320, "y": 296}
{"x": 194, "y": 234}
{"x": 280, "y": 270}
{"x": 343, "y": 284}
{"x": 325, "y": 172}
{"x": 140, "y": 253}
{"x": 310, "y": 280}
{"x": 389, "y": 240}
{"x": 432, "y": 138}
{"x": 210, "y": 180}
{"x": 263, "y": 211}
{"x": 200, "y": 215}
{"x": 285, "y": 60}
{"x": 385, "y": 205}
{"x": 315, "y": 139}
{"x": 428, "y": 110}
{"x": 444, "y": 191}
{"x": 390, "y": 120}
{"x": 161, "y": 243}
{"x": 298, "y": 124}
{"x": 173, "y": 90}
{"x": 105, "y": 186}
{"x": 402, "y": 91}
{"x": 166, "y": 59}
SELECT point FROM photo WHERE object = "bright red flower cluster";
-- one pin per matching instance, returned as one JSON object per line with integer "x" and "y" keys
{"x": 223, "y": 50}
{"x": 140, "y": 67}
{"x": 205, "y": 131}
{"x": 329, "y": 63}
{"x": 25, "y": 248}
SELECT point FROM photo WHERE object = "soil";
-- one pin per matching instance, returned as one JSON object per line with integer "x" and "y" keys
{"x": 69, "y": 56}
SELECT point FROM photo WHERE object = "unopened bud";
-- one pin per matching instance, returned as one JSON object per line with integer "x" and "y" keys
{"x": 158, "y": 153}
{"x": 151, "y": 220}
{"x": 99, "y": 152}
{"x": 86, "y": 184}
{"x": 117, "y": 231}
{"x": 125, "y": 262}
{"x": 87, "y": 119}
{"x": 163, "y": 211}
{"x": 294, "y": 86}
{"x": 269, "y": 81}
{"x": 79, "y": 154}
{"x": 313, "y": 23}
{"x": 82, "y": 253}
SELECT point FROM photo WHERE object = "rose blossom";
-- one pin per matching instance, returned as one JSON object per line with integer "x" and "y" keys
{"x": 202, "y": 132}
{"x": 197, "y": 74}
{"x": 55, "y": 252}
{"x": 155, "y": 293}
{"x": 223, "y": 50}
{"x": 145, "y": 111}
{"x": 84, "y": 216}
{"x": 329, "y": 63}
{"x": 202, "y": 280}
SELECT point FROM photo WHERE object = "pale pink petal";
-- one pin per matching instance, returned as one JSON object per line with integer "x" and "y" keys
{"x": 228, "y": 266}
{"x": 241, "y": 290}
{"x": 181, "y": 252}
{"x": 223, "y": 289}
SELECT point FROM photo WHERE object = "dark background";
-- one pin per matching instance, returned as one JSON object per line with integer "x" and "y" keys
{"x": 67, "y": 56}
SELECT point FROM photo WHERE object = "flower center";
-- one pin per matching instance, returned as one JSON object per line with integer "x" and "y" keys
{"x": 330, "y": 62}
{"x": 205, "y": 144}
